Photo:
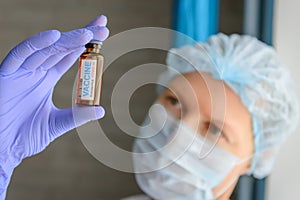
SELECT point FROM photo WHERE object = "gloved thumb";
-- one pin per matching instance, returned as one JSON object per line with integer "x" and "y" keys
{"x": 63, "y": 120}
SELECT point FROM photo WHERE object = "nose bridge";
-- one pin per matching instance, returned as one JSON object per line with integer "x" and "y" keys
{"x": 193, "y": 120}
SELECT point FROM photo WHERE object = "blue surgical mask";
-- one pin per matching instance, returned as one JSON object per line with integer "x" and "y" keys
{"x": 177, "y": 162}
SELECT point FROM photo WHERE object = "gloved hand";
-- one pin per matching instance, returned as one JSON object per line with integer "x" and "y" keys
{"x": 29, "y": 120}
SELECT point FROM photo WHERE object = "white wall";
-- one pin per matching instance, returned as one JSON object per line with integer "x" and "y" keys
{"x": 284, "y": 183}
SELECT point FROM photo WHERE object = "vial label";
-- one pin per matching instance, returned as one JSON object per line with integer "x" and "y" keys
{"x": 88, "y": 79}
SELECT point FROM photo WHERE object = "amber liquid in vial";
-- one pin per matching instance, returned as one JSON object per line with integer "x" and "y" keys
{"x": 89, "y": 82}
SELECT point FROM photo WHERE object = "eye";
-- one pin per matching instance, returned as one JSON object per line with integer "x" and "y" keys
{"x": 173, "y": 101}
{"x": 213, "y": 129}
{"x": 215, "y": 132}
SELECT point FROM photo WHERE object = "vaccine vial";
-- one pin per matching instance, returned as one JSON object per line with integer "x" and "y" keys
{"x": 90, "y": 72}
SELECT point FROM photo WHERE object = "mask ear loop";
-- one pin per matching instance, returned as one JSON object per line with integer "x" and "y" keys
{"x": 241, "y": 161}
{"x": 225, "y": 188}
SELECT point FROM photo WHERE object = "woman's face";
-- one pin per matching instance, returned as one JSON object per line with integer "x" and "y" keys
{"x": 202, "y": 102}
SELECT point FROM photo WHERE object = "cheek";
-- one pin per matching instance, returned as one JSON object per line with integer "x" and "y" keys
{"x": 243, "y": 145}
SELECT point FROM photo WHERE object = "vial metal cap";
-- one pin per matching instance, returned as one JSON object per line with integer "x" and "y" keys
{"x": 94, "y": 44}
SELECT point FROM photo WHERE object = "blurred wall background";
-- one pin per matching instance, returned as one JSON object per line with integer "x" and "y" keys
{"x": 65, "y": 170}
{"x": 284, "y": 181}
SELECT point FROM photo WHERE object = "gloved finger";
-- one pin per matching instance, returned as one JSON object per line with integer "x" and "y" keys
{"x": 66, "y": 43}
{"x": 53, "y": 60}
{"x": 22, "y": 51}
{"x": 100, "y": 32}
{"x": 98, "y": 21}
{"x": 65, "y": 63}
{"x": 64, "y": 120}
{"x": 56, "y": 59}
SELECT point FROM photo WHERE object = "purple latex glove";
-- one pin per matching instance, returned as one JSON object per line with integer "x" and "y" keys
{"x": 29, "y": 120}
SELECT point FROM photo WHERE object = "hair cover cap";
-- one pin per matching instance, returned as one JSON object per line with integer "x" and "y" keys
{"x": 252, "y": 69}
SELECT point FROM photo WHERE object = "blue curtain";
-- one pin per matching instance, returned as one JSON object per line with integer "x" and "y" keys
{"x": 197, "y": 19}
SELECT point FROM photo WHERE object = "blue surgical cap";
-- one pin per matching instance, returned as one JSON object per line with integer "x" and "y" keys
{"x": 253, "y": 70}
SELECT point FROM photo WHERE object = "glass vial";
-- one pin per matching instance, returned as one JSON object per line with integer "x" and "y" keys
{"x": 90, "y": 72}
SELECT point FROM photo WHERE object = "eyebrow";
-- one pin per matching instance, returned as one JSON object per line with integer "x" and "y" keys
{"x": 170, "y": 91}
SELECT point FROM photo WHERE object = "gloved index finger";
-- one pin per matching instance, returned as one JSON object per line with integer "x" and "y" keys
{"x": 67, "y": 42}
{"x": 22, "y": 51}
{"x": 98, "y": 21}
{"x": 99, "y": 32}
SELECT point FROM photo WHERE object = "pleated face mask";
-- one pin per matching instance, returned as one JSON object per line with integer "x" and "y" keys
{"x": 172, "y": 161}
